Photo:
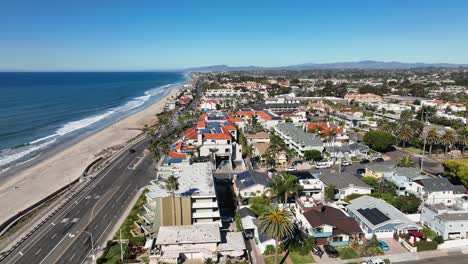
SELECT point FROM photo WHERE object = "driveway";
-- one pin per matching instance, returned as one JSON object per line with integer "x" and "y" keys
{"x": 395, "y": 246}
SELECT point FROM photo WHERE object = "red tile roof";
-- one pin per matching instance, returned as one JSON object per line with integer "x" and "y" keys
{"x": 264, "y": 115}
{"x": 176, "y": 155}
{"x": 221, "y": 136}
{"x": 246, "y": 113}
{"x": 191, "y": 133}
{"x": 201, "y": 124}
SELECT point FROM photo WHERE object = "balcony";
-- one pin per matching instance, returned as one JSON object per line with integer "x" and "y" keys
{"x": 214, "y": 214}
{"x": 339, "y": 243}
{"x": 204, "y": 205}
{"x": 147, "y": 217}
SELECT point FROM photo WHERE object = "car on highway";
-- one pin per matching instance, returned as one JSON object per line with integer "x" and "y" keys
{"x": 331, "y": 251}
{"x": 132, "y": 151}
{"x": 383, "y": 245}
{"x": 364, "y": 161}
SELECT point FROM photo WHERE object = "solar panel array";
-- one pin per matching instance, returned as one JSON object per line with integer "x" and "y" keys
{"x": 374, "y": 215}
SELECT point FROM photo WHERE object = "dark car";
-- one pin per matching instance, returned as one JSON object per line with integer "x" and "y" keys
{"x": 360, "y": 171}
{"x": 131, "y": 151}
{"x": 365, "y": 161}
{"x": 379, "y": 160}
{"x": 331, "y": 251}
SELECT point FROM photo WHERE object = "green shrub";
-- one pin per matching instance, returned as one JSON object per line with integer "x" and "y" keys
{"x": 387, "y": 261}
{"x": 427, "y": 232}
{"x": 438, "y": 239}
{"x": 269, "y": 249}
{"x": 426, "y": 245}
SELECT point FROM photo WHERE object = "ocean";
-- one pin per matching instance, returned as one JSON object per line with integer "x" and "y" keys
{"x": 41, "y": 111}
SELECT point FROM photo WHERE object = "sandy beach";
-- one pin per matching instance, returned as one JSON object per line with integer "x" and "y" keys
{"x": 19, "y": 191}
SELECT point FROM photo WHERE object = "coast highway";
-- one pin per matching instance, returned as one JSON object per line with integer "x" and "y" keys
{"x": 66, "y": 237}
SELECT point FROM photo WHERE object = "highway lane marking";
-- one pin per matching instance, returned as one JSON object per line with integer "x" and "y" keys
{"x": 75, "y": 220}
{"x": 112, "y": 205}
{"x": 72, "y": 256}
{"x": 84, "y": 242}
{"x": 120, "y": 196}
{"x": 81, "y": 197}
{"x": 50, "y": 252}
{"x": 38, "y": 252}
{"x": 54, "y": 236}
{"x": 77, "y": 212}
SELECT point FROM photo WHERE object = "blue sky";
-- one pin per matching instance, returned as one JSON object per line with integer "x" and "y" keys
{"x": 147, "y": 35}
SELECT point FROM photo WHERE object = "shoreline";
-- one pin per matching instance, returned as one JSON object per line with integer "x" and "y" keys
{"x": 28, "y": 185}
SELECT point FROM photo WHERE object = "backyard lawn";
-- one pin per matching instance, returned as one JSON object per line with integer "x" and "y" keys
{"x": 297, "y": 258}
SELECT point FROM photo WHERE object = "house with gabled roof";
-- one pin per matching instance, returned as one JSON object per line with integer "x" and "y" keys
{"x": 328, "y": 225}
{"x": 436, "y": 190}
{"x": 251, "y": 183}
{"x": 377, "y": 217}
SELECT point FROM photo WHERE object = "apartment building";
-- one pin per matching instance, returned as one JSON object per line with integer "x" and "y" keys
{"x": 298, "y": 140}
{"x": 194, "y": 202}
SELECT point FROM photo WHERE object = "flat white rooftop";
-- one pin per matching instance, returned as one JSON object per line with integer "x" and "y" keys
{"x": 189, "y": 234}
{"x": 194, "y": 180}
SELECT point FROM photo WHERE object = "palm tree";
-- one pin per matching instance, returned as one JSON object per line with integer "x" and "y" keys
{"x": 448, "y": 138}
{"x": 405, "y": 134}
{"x": 276, "y": 187}
{"x": 172, "y": 185}
{"x": 290, "y": 185}
{"x": 405, "y": 161}
{"x": 290, "y": 154}
{"x": 279, "y": 224}
{"x": 432, "y": 138}
{"x": 463, "y": 137}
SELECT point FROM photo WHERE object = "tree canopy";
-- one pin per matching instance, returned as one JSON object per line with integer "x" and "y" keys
{"x": 379, "y": 140}
{"x": 457, "y": 168}
{"x": 313, "y": 155}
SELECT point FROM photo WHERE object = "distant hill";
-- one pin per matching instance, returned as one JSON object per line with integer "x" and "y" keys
{"x": 367, "y": 64}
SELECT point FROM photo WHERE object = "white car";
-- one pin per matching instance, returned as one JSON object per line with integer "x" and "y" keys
{"x": 323, "y": 165}
{"x": 291, "y": 169}
{"x": 346, "y": 163}
{"x": 373, "y": 261}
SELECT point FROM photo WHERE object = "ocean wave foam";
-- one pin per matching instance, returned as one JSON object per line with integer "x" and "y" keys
{"x": 9, "y": 155}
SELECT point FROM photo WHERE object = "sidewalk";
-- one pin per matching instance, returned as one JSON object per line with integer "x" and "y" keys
{"x": 394, "y": 258}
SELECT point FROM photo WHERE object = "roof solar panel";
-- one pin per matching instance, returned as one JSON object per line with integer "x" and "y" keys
{"x": 374, "y": 215}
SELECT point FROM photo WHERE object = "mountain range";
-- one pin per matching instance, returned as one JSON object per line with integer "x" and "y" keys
{"x": 367, "y": 64}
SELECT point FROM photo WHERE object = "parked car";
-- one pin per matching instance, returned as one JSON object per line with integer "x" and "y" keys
{"x": 379, "y": 160}
{"x": 292, "y": 168}
{"x": 346, "y": 163}
{"x": 360, "y": 171}
{"x": 227, "y": 219}
{"x": 331, "y": 251}
{"x": 373, "y": 261}
{"x": 442, "y": 175}
{"x": 364, "y": 161}
{"x": 383, "y": 245}
{"x": 317, "y": 251}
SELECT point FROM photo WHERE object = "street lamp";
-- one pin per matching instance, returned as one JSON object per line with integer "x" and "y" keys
{"x": 92, "y": 244}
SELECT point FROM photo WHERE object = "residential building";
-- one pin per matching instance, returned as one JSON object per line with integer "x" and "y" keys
{"x": 250, "y": 183}
{"x": 345, "y": 183}
{"x": 377, "y": 217}
{"x": 312, "y": 189}
{"x": 209, "y": 104}
{"x": 349, "y": 151}
{"x": 436, "y": 190}
{"x": 298, "y": 140}
{"x": 268, "y": 119}
{"x": 194, "y": 202}
{"x": 450, "y": 222}
{"x": 328, "y": 225}
{"x": 401, "y": 177}
{"x": 260, "y": 137}
{"x": 197, "y": 243}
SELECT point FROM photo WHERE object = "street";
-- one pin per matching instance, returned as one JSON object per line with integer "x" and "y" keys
{"x": 453, "y": 259}
{"x": 66, "y": 237}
